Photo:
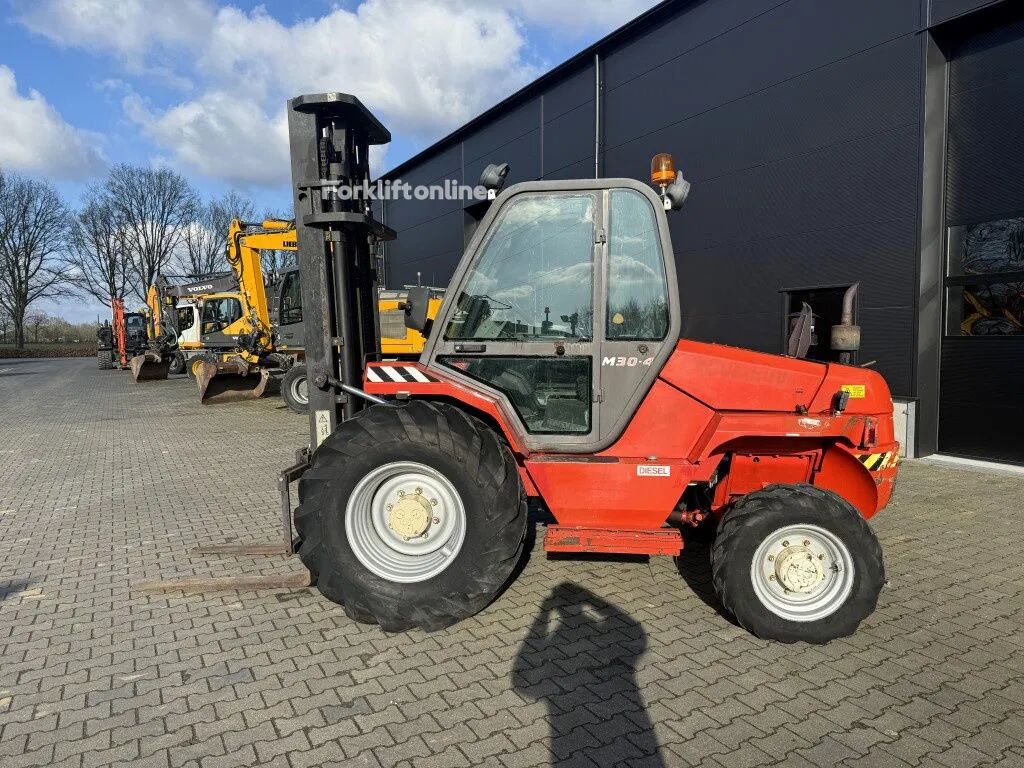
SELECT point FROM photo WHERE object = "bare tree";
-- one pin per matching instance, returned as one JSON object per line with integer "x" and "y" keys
{"x": 154, "y": 207}
{"x": 5, "y": 325}
{"x": 206, "y": 238}
{"x": 275, "y": 261}
{"x": 100, "y": 257}
{"x": 35, "y": 321}
{"x": 33, "y": 235}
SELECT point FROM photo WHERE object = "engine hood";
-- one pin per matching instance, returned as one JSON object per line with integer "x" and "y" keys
{"x": 733, "y": 379}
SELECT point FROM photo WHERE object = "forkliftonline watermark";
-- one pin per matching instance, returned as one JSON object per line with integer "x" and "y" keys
{"x": 388, "y": 190}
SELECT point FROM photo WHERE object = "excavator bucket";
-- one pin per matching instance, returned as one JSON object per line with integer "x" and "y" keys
{"x": 149, "y": 366}
{"x": 230, "y": 381}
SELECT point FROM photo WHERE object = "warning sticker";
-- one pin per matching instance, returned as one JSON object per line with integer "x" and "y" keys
{"x": 855, "y": 390}
{"x": 323, "y": 426}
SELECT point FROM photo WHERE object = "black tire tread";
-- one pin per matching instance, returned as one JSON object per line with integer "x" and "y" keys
{"x": 490, "y": 468}
{"x": 286, "y": 382}
{"x": 747, "y": 512}
{"x": 105, "y": 359}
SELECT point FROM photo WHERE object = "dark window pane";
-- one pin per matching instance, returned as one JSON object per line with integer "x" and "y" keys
{"x": 186, "y": 318}
{"x": 291, "y": 300}
{"x": 534, "y": 277}
{"x": 992, "y": 309}
{"x": 550, "y": 394}
{"x": 987, "y": 248}
{"x": 637, "y": 287}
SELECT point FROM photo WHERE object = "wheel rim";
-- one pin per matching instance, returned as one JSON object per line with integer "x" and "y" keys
{"x": 300, "y": 390}
{"x": 405, "y": 522}
{"x": 802, "y": 573}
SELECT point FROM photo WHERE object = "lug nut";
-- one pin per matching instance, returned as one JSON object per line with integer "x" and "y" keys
{"x": 436, "y": 520}
{"x": 389, "y": 507}
{"x": 401, "y": 494}
{"x": 807, "y": 543}
{"x": 771, "y": 558}
{"x": 433, "y": 502}
{"x": 821, "y": 557}
{"x": 771, "y": 577}
{"x": 785, "y": 543}
{"x": 419, "y": 491}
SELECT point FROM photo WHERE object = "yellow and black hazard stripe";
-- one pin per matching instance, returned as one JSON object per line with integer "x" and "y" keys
{"x": 877, "y": 461}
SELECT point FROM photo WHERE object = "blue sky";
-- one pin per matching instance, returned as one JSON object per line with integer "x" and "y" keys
{"x": 199, "y": 85}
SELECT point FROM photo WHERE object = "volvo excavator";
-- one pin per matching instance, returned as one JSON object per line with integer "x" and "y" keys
{"x": 172, "y": 317}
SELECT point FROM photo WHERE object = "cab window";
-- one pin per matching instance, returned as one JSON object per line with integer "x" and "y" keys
{"x": 291, "y": 299}
{"x": 186, "y": 318}
{"x": 533, "y": 279}
{"x": 637, "y": 287}
{"x": 218, "y": 314}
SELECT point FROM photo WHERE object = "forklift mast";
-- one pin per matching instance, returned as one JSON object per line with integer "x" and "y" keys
{"x": 330, "y": 135}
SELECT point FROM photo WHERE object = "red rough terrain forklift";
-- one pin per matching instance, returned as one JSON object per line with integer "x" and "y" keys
{"x": 555, "y": 372}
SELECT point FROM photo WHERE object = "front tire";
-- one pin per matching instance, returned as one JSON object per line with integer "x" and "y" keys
{"x": 795, "y": 562}
{"x": 387, "y": 481}
{"x": 295, "y": 389}
{"x": 105, "y": 360}
{"x": 177, "y": 363}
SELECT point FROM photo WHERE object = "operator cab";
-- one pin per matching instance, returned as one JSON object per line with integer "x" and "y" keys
{"x": 565, "y": 306}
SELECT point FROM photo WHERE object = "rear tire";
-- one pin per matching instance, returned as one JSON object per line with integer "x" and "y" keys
{"x": 294, "y": 389}
{"x": 795, "y": 562}
{"x": 177, "y": 363}
{"x": 351, "y": 546}
{"x": 193, "y": 363}
{"x": 105, "y": 360}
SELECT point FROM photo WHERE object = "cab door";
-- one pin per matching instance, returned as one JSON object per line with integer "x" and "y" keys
{"x": 521, "y": 322}
{"x": 188, "y": 327}
{"x": 289, "y": 312}
{"x": 641, "y": 305}
{"x": 565, "y": 306}
{"x": 218, "y": 321}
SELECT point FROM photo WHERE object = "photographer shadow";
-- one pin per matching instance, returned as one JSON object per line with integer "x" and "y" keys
{"x": 580, "y": 658}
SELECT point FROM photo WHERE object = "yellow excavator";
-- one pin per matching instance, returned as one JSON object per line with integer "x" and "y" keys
{"x": 258, "y": 338}
{"x": 171, "y": 314}
{"x": 242, "y": 347}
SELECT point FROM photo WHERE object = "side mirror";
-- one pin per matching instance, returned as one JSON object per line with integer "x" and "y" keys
{"x": 416, "y": 306}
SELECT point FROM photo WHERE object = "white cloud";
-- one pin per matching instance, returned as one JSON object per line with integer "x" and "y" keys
{"x": 220, "y": 136}
{"x": 128, "y": 28}
{"x": 35, "y": 138}
{"x": 424, "y": 66}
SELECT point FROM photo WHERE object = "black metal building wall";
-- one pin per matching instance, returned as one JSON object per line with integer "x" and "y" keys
{"x": 799, "y": 124}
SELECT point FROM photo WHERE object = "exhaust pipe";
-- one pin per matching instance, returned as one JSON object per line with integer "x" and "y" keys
{"x": 149, "y": 366}
{"x": 845, "y": 337}
{"x": 230, "y": 381}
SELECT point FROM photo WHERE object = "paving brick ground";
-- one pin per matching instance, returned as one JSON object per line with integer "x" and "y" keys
{"x": 580, "y": 662}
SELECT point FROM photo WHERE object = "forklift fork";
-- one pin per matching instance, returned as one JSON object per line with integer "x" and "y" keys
{"x": 286, "y": 546}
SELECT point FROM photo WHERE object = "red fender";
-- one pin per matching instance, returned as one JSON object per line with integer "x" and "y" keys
{"x": 843, "y": 473}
